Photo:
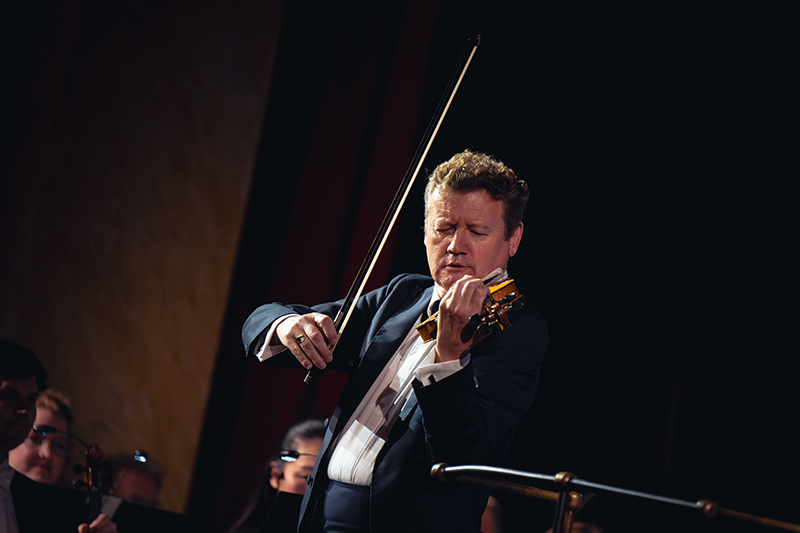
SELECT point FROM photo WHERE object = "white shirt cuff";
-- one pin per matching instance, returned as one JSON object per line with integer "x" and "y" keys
{"x": 429, "y": 372}
{"x": 266, "y": 350}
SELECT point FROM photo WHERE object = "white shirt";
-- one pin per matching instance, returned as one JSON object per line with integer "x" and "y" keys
{"x": 356, "y": 449}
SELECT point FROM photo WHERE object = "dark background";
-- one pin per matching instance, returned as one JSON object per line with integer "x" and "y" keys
{"x": 659, "y": 147}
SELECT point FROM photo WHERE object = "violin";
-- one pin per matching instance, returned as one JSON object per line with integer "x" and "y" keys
{"x": 94, "y": 458}
{"x": 503, "y": 297}
{"x": 91, "y": 472}
{"x": 91, "y": 479}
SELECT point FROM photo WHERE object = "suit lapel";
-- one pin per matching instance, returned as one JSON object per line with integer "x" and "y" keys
{"x": 408, "y": 408}
{"x": 385, "y": 343}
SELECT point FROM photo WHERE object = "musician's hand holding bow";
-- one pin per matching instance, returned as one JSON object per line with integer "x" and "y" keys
{"x": 456, "y": 335}
{"x": 309, "y": 337}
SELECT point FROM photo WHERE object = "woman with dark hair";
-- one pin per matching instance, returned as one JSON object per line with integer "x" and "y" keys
{"x": 288, "y": 471}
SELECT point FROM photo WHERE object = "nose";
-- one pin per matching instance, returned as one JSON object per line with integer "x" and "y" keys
{"x": 457, "y": 245}
{"x": 44, "y": 449}
{"x": 26, "y": 408}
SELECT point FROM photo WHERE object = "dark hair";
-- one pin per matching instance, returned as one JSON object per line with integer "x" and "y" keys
{"x": 19, "y": 362}
{"x": 302, "y": 431}
{"x": 256, "y": 511}
{"x": 474, "y": 171}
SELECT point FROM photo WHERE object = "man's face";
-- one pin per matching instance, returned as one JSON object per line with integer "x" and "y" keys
{"x": 295, "y": 473}
{"x": 465, "y": 235}
{"x": 42, "y": 458}
{"x": 17, "y": 410}
{"x": 138, "y": 487}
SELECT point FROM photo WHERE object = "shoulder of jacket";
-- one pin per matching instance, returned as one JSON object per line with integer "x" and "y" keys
{"x": 411, "y": 281}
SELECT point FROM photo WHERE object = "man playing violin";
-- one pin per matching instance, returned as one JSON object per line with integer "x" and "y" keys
{"x": 409, "y": 404}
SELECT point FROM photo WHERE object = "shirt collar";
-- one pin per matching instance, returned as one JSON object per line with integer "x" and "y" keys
{"x": 6, "y": 474}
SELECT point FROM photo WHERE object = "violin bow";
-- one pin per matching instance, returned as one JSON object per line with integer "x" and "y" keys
{"x": 357, "y": 288}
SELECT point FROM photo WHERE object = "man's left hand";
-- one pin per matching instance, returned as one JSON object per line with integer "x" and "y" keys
{"x": 455, "y": 335}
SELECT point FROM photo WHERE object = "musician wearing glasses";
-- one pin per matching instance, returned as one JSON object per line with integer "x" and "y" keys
{"x": 25, "y": 505}
{"x": 409, "y": 404}
{"x": 42, "y": 457}
{"x": 288, "y": 471}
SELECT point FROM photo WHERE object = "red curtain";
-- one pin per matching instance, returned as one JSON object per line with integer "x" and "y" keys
{"x": 340, "y": 128}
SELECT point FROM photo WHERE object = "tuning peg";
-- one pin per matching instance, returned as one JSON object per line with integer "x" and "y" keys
{"x": 486, "y": 327}
{"x": 476, "y": 319}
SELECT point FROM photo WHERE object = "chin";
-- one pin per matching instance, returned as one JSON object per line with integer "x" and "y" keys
{"x": 41, "y": 476}
{"x": 448, "y": 279}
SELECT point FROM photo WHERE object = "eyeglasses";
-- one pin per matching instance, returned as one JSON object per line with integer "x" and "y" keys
{"x": 291, "y": 455}
{"x": 58, "y": 445}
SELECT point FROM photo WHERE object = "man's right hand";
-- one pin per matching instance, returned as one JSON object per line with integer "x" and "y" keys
{"x": 309, "y": 337}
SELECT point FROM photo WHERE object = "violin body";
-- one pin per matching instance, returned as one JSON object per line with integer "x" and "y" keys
{"x": 503, "y": 297}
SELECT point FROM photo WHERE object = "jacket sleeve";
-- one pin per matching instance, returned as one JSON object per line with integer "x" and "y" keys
{"x": 470, "y": 417}
{"x": 367, "y": 307}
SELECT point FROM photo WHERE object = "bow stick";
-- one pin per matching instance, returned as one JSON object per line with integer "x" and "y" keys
{"x": 357, "y": 288}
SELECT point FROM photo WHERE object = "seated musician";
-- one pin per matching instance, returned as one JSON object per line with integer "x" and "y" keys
{"x": 42, "y": 457}
{"x": 25, "y": 505}
{"x": 136, "y": 480}
{"x": 288, "y": 471}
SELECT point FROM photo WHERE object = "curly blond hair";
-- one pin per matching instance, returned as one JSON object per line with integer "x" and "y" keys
{"x": 473, "y": 171}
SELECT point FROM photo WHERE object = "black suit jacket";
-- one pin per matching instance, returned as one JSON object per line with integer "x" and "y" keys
{"x": 468, "y": 418}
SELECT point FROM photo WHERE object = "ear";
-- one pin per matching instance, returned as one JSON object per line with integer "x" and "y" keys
{"x": 514, "y": 240}
{"x": 275, "y": 476}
